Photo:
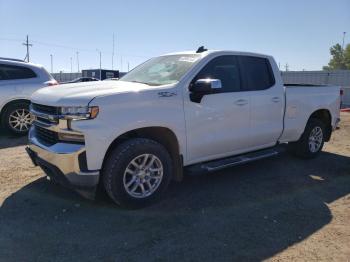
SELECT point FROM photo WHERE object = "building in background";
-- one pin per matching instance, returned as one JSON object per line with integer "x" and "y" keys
{"x": 104, "y": 73}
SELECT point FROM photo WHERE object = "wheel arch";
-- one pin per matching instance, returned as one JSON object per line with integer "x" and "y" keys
{"x": 325, "y": 116}
{"x": 11, "y": 102}
{"x": 162, "y": 135}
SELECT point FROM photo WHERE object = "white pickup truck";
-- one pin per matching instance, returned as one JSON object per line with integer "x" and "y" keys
{"x": 202, "y": 110}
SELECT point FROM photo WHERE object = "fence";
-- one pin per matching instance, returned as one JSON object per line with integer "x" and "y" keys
{"x": 340, "y": 78}
{"x": 64, "y": 77}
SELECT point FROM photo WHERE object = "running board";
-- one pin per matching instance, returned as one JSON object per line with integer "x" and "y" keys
{"x": 234, "y": 161}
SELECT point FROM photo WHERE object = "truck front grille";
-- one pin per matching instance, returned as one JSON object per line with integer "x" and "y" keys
{"x": 50, "y": 110}
{"x": 46, "y": 136}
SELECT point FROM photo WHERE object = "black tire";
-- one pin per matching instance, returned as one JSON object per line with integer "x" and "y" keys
{"x": 301, "y": 148}
{"x": 5, "y": 118}
{"x": 118, "y": 161}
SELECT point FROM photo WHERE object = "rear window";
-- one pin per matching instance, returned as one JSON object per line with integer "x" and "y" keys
{"x": 10, "y": 72}
{"x": 257, "y": 73}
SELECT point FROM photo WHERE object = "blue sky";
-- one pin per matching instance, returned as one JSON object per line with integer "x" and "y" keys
{"x": 295, "y": 32}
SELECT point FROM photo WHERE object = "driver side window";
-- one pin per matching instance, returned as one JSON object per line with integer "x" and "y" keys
{"x": 224, "y": 68}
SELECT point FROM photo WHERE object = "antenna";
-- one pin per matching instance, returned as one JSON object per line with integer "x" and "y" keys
{"x": 27, "y": 45}
{"x": 201, "y": 49}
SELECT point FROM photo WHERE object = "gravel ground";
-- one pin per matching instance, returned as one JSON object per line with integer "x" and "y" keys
{"x": 277, "y": 209}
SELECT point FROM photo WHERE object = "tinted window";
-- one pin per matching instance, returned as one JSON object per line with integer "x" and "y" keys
{"x": 257, "y": 73}
{"x": 9, "y": 72}
{"x": 224, "y": 68}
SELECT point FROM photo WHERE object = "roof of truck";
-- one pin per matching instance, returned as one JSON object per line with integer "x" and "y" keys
{"x": 205, "y": 53}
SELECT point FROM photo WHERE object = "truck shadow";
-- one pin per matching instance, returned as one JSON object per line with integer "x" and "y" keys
{"x": 7, "y": 140}
{"x": 245, "y": 213}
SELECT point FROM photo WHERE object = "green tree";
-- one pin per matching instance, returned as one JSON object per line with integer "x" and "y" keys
{"x": 340, "y": 58}
{"x": 347, "y": 56}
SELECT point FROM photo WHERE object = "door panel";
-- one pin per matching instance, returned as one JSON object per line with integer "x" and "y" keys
{"x": 217, "y": 126}
{"x": 267, "y": 108}
{"x": 267, "y": 100}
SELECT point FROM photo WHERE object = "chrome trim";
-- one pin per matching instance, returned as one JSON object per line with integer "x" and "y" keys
{"x": 61, "y": 127}
{"x": 62, "y": 155}
{"x": 52, "y": 118}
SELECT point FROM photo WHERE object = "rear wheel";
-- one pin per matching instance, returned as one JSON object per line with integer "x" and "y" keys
{"x": 311, "y": 142}
{"x": 16, "y": 118}
{"x": 137, "y": 172}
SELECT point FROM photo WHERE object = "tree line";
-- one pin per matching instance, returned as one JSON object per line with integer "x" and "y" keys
{"x": 340, "y": 58}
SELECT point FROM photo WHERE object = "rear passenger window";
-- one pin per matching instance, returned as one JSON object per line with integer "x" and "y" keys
{"x": 10, "y": 72}
{"x": 257, "y": 73}
{"x": 224, "y": 68}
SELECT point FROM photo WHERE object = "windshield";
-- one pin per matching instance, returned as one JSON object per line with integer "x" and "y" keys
{"x": 162, "y": 70}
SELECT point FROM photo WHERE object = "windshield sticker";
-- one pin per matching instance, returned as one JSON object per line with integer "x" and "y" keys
{"x": 189, "y": 59}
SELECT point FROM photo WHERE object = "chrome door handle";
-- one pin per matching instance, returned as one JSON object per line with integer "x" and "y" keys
{"x": 241, "y": 102}
{"x": 276, "y": 99}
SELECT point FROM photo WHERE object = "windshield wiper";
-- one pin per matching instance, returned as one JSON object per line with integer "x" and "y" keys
{"x": 150, "y": 84}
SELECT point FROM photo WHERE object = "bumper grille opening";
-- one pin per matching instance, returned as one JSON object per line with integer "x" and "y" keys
{"x": 46, "y": 136}
{"x": 51, "y": 110}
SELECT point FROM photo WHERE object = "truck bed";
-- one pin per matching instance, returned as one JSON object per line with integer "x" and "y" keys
{"x": 302, "y": 101}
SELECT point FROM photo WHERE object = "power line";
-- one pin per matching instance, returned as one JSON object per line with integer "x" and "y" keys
{"x": 72, "y": 47}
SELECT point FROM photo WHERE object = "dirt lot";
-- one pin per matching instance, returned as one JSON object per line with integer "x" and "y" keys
{"x": 276, "y": 209}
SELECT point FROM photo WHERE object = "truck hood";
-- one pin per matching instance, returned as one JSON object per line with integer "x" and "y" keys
{"x": 80, "y": 94}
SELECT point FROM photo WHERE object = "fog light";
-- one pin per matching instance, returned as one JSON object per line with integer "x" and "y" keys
{"x": 71, "y": 137}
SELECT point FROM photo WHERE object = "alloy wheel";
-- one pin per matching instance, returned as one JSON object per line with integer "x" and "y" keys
{"x": 143, "y": 175}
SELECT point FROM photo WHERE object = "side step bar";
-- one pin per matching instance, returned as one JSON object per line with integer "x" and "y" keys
{"x": 234, "y": 161}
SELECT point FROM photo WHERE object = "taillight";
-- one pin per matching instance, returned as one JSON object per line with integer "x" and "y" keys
{"x": 51, "y": 83}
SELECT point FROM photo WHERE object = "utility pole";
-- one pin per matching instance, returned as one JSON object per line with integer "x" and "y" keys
{"x": 113, "y": 53}
{"x": 99, "y": 51}
{"x": 71, "y": 65}
{"x": 27, "y": 45}
{"x": 342, "y": 47}
{"x": 78, "y": 61}
{"x": 128, "y": 67}
{"x": 287, "y": 67}
{"x": 51, "y": 63}
{"x": 121, "y": 63}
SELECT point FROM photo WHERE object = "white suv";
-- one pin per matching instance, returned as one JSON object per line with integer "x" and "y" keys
{"x": 18, "y": 80}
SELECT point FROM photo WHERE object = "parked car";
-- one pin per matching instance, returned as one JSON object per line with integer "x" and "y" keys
{"x": 203, "y": 110}
{"x": 111, "y": 79}
{"x": 18, "y": 80}
{"x": 81, "y": 79}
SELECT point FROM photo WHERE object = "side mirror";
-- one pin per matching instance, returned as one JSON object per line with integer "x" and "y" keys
{"x": 206, "y": 86}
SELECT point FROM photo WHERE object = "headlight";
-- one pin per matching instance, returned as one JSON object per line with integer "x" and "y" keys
{"x": 79, "y": 113}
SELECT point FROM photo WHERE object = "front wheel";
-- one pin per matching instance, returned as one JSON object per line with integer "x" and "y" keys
{"x": 16, "y": 118}
{"x": 311, "y": 142}
{"x": 137, "y": 172}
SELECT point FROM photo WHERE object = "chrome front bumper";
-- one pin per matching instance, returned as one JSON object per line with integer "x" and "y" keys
{"x": 63, "y": 162}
